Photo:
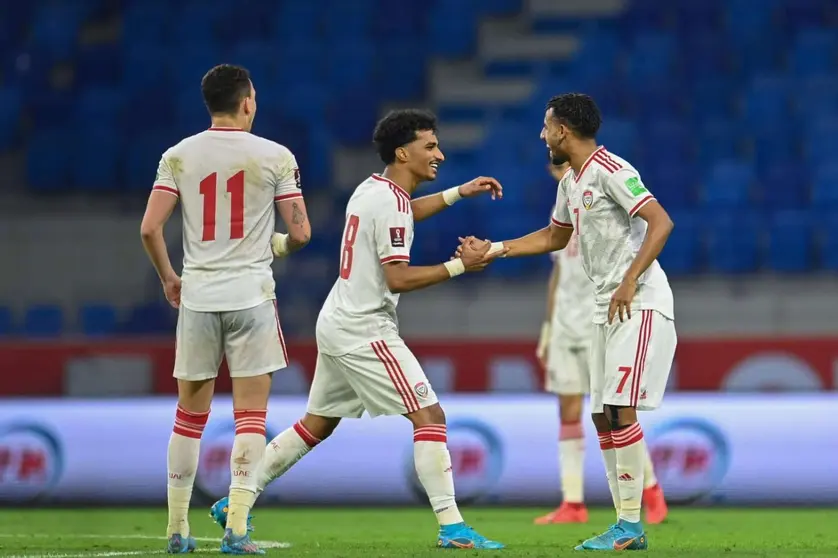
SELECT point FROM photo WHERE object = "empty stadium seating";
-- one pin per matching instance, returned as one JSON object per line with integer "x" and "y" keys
{"x": 728, "y": 108}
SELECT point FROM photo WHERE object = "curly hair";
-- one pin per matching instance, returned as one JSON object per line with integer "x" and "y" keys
{"x": 578, "y": 112}
{"x": 398, "y": 128}
{"x": 224, "y": 87}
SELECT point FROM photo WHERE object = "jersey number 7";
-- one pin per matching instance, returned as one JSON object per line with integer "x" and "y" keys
{"x": 209, "y": 189}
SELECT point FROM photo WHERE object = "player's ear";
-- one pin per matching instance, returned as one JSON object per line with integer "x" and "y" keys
{"x": 401, "y": 154}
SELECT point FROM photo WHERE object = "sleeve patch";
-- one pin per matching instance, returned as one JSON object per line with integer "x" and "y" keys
{"x": 397, "y": 237}
{"x": 635, "y": 186}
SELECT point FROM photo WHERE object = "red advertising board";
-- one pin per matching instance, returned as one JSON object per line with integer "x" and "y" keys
{"x": 36, "y": 368}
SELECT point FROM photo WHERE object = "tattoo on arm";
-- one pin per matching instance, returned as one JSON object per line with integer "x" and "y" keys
{"x": 297, "y": 215}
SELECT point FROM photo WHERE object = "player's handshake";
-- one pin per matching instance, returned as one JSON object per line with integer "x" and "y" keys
{"x": 477, "y": 254}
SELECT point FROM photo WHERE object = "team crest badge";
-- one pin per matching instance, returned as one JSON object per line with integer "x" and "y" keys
{"x": 421, "y": 390}
{"x": 587, "y": 199}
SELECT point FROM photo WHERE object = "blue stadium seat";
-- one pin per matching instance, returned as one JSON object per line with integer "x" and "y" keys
{"x": 668, "y": 140}
{"x": 191, "y": 61}
{"x": 302, "y": 64}
{"x": 805, "y": 14}
{"x": 814, "y": 52}
{"x": 259, "y": 59}
{"x": 147, "y": 68}
{"x": 602, "y": 47}
{"x": 10, "y": 108}
{"x": 729, "y": 183}
{"x": 619, "y": 137}
{"x": 815, "y": 97}
{"x": 98, "y": 319}
{"x": 296, "y": 22}
{"x": 825, "y": 186}
{"x": 99, "y": 64}
{"x": 717, "y": 139}
{"x": 734, "y": 240}
{"x": 43, "y": 320}
{"x": 711, "y": 99}
{"x": 55, "y": 28}
{"x": 141, "y": 24}
{"x": 352, "y": 125}
{"x": 652, "y": 57}
{"x": 191, "y": 115}
{"x": 767, "y": 102}
{"x": 48, "y": 160}
{"x": 828, "y": 244}
{"x": 7, "y": 322}
{"x": 790, "y": 241}
{"x": 142, "y": 156}
{"x": 704, "y": 55}
{"x": 452, "y": 31}
{"x": 682, "y": 254}
{"x": 99, "y": 105}
{"x": 96, "y": 157}
{"x": 346, "y": 21}
{"x": 821, "y": 144}
{"x": 400, "y": 69}
{"x": 400, "y": 20}
{"x": 784, "y": 185}
{"x": 655, "y": 100}
{"x": 149, "y": 319}
{"x": 351, "y": 65}
{"x": 672, "y": 183}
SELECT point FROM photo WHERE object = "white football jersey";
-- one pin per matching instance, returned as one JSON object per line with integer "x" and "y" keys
{"x": 228, "y": 181}
{"x": 600, "y": 204}
{"x": 360, "y": 308}
{"x": 573, "y": 299}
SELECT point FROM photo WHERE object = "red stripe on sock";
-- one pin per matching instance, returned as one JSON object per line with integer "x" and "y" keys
{"x": 189, "y": 424}
{"x": 605, "y": 441}
{"x": 250, "y": 421}
{"x": 570, "y": 431}
{"x": 431, "y": 433}
{"x": 303, "y": 433}
{"x": 627, "y": 436}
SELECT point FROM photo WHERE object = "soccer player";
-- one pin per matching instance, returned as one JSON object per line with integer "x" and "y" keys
{"x": 230, "y": 183}
{"x": 362, "y": 363}
{"x": 564, "y": 351}
{"x": 621, "y": 230}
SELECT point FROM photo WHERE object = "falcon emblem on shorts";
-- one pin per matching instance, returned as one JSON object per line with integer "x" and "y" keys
{"x": 587, "y": 199}
{"x": 421, "y": 389}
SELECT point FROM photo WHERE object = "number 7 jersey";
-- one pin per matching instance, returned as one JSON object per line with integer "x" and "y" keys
{"x": 378, "y": 230}
{"x": 228, "y": 181}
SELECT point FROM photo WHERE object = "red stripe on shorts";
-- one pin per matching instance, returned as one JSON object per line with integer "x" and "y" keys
{"x": 640, "y": 355}
{"x": 401, "y": 387}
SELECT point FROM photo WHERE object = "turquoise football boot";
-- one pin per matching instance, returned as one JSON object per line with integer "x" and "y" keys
{"x": 231, "y": 544}
{"x": 460, "y": 535}
{"x": 179, "y": 544}
{"x": 623, "y": 535}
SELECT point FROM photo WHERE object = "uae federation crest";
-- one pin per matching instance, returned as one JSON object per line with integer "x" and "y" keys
{"x": 587, "y": 199}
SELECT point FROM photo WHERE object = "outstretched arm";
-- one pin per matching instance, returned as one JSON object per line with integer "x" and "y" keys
{"x": 549, "y": 239}
{"x": 426, "y": 206}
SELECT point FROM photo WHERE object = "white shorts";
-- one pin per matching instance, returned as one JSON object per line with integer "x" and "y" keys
{"x": 251, "y": 339}
{"x": 382, "y": 378}
{"x": 568, "y": 370}
{"x": 630, "y": 361}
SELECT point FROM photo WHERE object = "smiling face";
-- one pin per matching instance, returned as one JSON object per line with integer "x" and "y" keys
{"x": 554, "y": 133}
{"x": 422, "y": 156}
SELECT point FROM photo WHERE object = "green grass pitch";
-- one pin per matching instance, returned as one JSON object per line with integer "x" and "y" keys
{"x": 408, "y": 532}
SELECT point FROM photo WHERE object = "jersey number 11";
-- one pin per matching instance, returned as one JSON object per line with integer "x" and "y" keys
{"x": 209, "y": 189}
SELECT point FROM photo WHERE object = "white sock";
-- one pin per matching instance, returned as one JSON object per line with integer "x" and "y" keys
{"x": 649, "y": 478}
{"x": 248, "y": 449}
{"x": 571, "y": 462}
{"x": 631, "y": 452}
{"x": 184, "y": 450}
{"x": 282, "y": 453}
{"x": 433, "y": 466}
{"x": 609, "y": 457}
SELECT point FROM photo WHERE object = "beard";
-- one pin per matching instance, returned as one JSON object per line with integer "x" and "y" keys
{"x": 557, "y": 159}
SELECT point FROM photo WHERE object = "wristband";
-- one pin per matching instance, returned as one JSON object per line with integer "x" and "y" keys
{"x": 451, "y": 195}
{"x": 496, "y": 247}
{"x": 279, "y": 245}
{"x": 455, "y": 267}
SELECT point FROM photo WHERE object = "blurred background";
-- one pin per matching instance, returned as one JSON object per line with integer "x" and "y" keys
{"x": 729, "y": 109}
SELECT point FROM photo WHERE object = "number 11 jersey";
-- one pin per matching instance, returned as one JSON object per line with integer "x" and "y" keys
{"x": 228, "y": 181}
{"x": 378, "y": 230}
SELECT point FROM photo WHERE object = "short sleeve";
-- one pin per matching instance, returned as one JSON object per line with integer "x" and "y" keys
{"x": 561, "y": 216}
{"x": 627, "y": 189}
{"x": 287, "y": 178}
{"x": 393, "y": 236}
{"x": 165, "y": 179}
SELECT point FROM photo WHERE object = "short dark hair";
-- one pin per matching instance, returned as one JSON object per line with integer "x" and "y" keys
{"x": 224, "y": 87}
{"x": 399, "y": 128}
{"x": 577, "y": 111}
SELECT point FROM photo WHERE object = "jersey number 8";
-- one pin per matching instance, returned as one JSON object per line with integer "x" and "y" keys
{"x": 348, "y": 252}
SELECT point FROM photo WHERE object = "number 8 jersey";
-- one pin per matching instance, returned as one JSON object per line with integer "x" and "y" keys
{"x": 379, "y": 230}
{"x": 228, "y": 181}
